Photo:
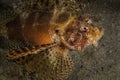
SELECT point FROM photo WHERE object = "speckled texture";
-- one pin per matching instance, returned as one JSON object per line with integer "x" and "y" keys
{"x": 100, "y": 63}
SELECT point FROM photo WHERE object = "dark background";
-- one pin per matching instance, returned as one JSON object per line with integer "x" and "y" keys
{"x": 101, "y": 63}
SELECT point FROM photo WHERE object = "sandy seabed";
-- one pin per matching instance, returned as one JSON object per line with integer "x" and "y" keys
{"x": 101, "y": 63}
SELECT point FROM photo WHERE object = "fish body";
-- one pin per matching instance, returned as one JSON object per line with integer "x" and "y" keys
{"x": 52, "y": 61}
{"x": 54, "y": 37}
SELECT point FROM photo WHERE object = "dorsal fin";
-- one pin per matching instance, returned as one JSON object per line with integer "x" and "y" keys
{"x": 25, "y": 51}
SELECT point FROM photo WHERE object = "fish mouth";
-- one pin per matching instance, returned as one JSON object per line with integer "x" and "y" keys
{"x": 74, "y": 40}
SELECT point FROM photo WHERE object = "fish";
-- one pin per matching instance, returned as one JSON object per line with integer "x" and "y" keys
{"x": 49, "y": 57}
{"x": 52, "y": 60}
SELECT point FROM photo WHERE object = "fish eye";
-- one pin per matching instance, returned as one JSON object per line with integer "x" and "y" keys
{"x": 84, "y": 29}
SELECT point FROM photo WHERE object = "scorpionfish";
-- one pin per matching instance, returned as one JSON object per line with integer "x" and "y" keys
{"x": 50, "y": 59}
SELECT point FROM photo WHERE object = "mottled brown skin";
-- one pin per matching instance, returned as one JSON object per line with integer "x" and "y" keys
{"x": 51, "y": 59}
{"x": 82, "y": 34}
